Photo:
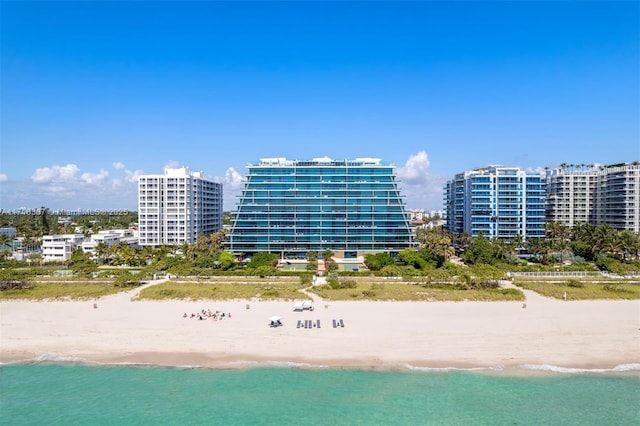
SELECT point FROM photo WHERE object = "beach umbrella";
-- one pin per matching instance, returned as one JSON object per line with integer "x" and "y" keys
{"x": 275, "y": 319}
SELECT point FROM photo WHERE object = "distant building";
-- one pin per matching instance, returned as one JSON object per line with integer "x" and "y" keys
{"x": 64, "y": 221}
{"x": 177, "y": 206}
{"x": 9, "y": 231}
{"x": 426, "y": 219}
{"x": 59, "y": 248}
{"x": 417, "y": 215}
{"x": 499, "y": 202}
{"x": 291, "y": 207}
{"x": 597, "y": 195}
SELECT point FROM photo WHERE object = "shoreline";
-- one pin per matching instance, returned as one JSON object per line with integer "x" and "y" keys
{"x": 209, "y": 362}
{"x": 548, "y": 336}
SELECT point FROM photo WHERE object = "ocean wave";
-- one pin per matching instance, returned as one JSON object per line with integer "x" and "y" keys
{"x": 56, "y": 357}
{"x": 622, "y": 368}
{"x": 444, "y": 369}
{"x": 279, "y": 364}
{"x": 51, "y": 357}
{"x": 290, "y": 364}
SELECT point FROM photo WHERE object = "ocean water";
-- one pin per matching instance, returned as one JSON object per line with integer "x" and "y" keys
{"x": 81, "y": 394}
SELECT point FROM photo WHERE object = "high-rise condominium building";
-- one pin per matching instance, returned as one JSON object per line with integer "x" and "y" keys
{"x": 177, "y": 206}
{"x": 570, "y": 196}
{"x": 347, "y": 206}
{"x": 501, "y": 202}
{"x": 598, "y": 195}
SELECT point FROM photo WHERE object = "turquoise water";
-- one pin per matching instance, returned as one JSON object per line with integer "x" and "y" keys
{"x": 60, "y": 394}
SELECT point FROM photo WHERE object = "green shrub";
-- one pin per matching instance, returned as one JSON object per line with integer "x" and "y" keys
{"x": 306, "y": 279}
{"x": 572, "y": 282}
{"x": 336, "y": 284}
{"x": 271, "y": 292}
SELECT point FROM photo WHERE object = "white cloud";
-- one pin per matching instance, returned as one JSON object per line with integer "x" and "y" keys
{"x": 416, "y": 169}
{"x": 132, "y": 176}
{"x": 118, "y": 165}
{"x": 3, "y": 177}
{"x": 95, "y": 178}
{"x": 66, "y": 187}
{"x": 535, "y": 170}
{"x": 172, "y": 164}
{"x": 232, "y": 185}
{"x": 233, "y": 179}
{"x": 55, "y": 173}
{"x": 422, "y": 189}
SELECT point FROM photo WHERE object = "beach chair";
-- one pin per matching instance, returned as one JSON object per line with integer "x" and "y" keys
{"x": 341, "y": 324}
{"x": 334, "y": 324}
{"x": 318, "y": 323}
{"x": 299, "y": 323}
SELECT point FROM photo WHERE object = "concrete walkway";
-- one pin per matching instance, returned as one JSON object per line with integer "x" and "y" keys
{"x": 317, "y": 281}
{"x": 132, "y": 294}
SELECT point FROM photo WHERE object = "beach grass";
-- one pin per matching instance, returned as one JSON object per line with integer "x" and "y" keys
{"x": 247, "y": 289}
{"x": 582, "y": 289}
{"x": 398, "y": 291}
{"x": 76, "y": 290}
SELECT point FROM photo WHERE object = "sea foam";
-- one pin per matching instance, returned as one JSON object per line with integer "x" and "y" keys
{"x": 621, "y": 368}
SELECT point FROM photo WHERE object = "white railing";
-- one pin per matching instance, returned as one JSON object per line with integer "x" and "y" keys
{"x": 571, "y": 274}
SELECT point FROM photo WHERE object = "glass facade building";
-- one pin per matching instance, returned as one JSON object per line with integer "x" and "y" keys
{"x": 501, "y": 202}
{"x": 291, "y": 207}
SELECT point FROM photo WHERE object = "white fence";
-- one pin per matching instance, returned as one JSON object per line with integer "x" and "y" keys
{"x": 564, "y": 274}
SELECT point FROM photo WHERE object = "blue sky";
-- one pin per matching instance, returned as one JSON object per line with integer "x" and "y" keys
{"x": 95, "y": 93}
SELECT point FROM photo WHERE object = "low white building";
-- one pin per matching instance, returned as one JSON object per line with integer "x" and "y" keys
{"x": 110, "y": 238}
{"x": 64, "y": 221}
{"x": 58, "y": 248}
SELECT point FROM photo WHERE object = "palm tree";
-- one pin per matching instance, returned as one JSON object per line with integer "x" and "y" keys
{"x": 537, "y": 246}
{"x": 4, "y": 239}
{"x": 101, "y": 251}
{"x": 502, "y": 249}
{"x": 437, "y": 241}
{"x": 628, "y": 244}
{"x": 517, "y": 243}
{"x": 557, "y": 235}
{"x": 463, "y": 242}
{"x": 44, "y": 220}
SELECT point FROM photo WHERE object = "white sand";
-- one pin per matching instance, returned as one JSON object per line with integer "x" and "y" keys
{"x": 578, "y": 334}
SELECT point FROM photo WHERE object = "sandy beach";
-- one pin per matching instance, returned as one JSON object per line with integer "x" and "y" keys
{"x": 386, "y": 335}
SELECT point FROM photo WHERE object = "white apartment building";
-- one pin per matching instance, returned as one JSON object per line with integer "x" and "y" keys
{"x": 110, "y": 238}
{"x": 599, "y": 195}
{"x": 177, "y": 206}
{"x": 58, "y": 248}
{"x": 570, "y": 196}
